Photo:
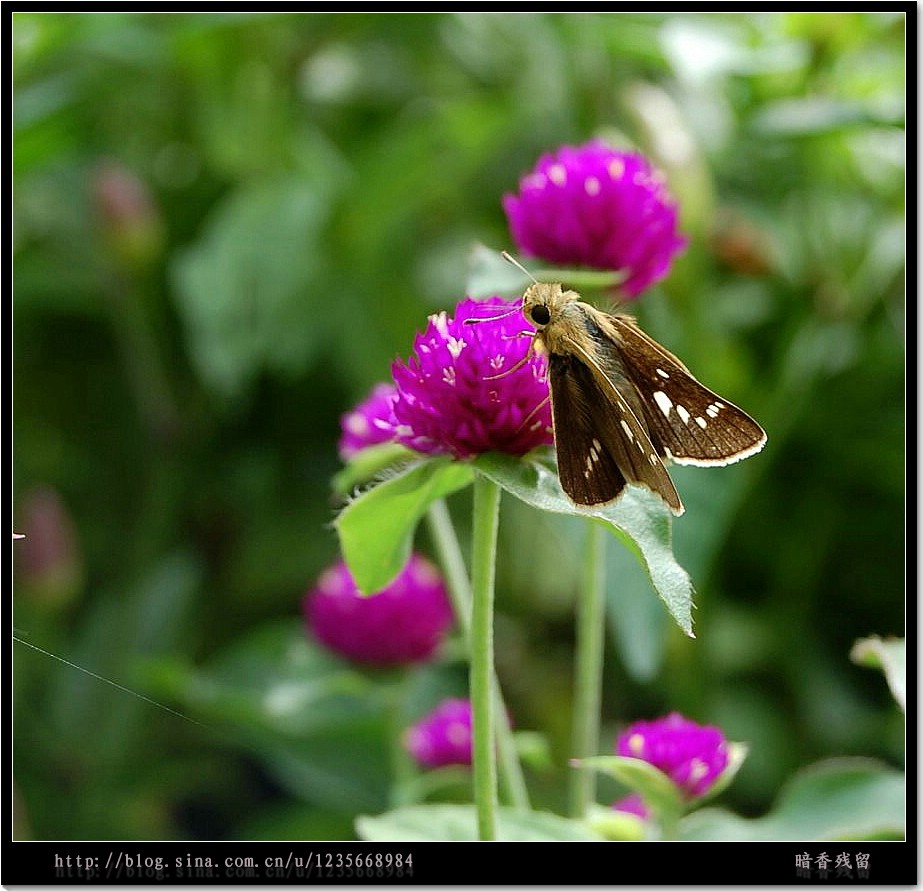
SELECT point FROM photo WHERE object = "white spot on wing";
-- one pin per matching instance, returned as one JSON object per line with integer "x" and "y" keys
{"x": 627, "y": 430}
{"x": 701, "y": 422}
{"x": 593, "y": 457}
{"x": 663, "y": 402}
{"x": 684, "y": 415}
{"x": 662, "y": 373}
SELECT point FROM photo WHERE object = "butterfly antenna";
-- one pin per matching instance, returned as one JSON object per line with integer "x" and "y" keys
{"x": 502, "y": 315}
{"x": 511, "y": 259}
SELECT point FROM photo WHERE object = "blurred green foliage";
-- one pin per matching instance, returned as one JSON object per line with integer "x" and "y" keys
{"x": 228, "y": 225}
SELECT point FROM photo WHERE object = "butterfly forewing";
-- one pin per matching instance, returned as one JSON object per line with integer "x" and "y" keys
{"x": 605, "y": 443}
{"x": 690, "y": 423}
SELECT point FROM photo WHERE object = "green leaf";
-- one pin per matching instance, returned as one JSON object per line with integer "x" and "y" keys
{"x": 837, "y": 799}
{"x": 345, "y": 768}
{"x": 638, "y": 624}
{"x": 737, "y": 753}
{"x": 369, "y": 463}
{"x": 275, "y": 679}
{"x": 376, "y": 530}
{"x": 450, "y": 822}
{"x": 315, "y": 723}
{"x": 247, "y": 290}
{"x": 639, "y": 518}
{"x": 147, "y": 618}
{"x": 659, "y": 792}
{"x": 889, "y": 655}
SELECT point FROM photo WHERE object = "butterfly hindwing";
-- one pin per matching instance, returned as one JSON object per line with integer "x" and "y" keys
{"x": 691, "y": 423}
{"x": 605, "y": 444}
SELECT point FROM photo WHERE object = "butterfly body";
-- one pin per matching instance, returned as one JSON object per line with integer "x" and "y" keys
{"x": 622, "y": 404}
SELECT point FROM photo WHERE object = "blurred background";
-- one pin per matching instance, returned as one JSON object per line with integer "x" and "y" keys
{"x": 228, "y": 226}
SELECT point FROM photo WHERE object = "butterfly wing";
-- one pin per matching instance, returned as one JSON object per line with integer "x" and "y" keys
{"x": 690, "y": 423}
{"x": 600, "y": 441}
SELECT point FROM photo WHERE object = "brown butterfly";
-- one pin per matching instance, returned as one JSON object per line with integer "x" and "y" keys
{"x": 622, "y": 404}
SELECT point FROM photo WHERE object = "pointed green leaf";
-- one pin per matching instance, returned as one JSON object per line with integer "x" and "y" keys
{"x": 639, "y": 518}
{"x": 376, "y": 529}
{"x": 737, "y": 753}
{"x": 659, "y": 792}
{"x": 891, "y": 657}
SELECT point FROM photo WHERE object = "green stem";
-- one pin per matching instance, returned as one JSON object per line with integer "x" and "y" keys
{"x": 142, "y": 356}
{"x": 402, "y": 771}
{"x": 483, "y": 559}
{"x": 589, "y": 668}
{"x": 446, "y": 543}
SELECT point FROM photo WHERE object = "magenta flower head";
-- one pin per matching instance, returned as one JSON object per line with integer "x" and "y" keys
{"x": 457, "y": 394}
{"x": 692, "y": 755}
{"x": 401, "y": 624}
{"x": 592, "y": 205}
{"x": 443, "y": 736}
{"x": 369, "y": 423}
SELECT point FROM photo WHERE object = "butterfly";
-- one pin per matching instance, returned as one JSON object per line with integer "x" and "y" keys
{"x": 622, "y": 404}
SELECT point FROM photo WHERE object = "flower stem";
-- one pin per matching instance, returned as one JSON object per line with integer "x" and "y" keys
{"x": 485, "y": 521}
{"x": 453, "y": 565}
{"x": 402, "y": 770}
{"x": 589, "y": 668}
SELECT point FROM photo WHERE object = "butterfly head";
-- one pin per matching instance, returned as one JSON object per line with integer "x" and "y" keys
{"x": 543, "y": 300}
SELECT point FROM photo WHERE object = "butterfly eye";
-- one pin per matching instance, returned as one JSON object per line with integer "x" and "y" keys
{"x": 540, "y": 314}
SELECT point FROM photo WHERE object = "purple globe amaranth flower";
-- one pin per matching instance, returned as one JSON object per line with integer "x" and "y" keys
{"x": 371, "y": 422}
{"x": 632, "y": 804}
{"x": 593, "y": 205}
{"x": 458, "y": 393}
{"x": 692, "y": 755}
{"x": 403, "y": 623}
{"x": 443, "y": 736}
